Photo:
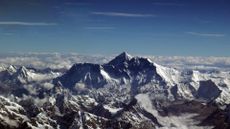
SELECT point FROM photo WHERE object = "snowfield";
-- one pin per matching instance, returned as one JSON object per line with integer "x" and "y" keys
{"x": 124, "y": 92}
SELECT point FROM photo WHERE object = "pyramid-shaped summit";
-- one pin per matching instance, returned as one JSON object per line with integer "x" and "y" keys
{"x": 120, "y": 59}
{"x": 23, "y": 71}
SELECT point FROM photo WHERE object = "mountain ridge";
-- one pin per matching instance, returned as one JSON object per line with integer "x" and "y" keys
{"x": 127, "y": 92}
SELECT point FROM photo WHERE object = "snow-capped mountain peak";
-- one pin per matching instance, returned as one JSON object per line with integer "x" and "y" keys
{"x": 123, "y": 68}
{"x": 22, "y": 72}
{"x": 11, "y": 69}
{"x": 128, "y": 92}
{"x": 90, "y": 74}
{"x": 120, "y": 59}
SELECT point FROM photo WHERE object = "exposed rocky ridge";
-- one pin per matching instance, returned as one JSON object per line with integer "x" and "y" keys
{"x": 127, "y": 92}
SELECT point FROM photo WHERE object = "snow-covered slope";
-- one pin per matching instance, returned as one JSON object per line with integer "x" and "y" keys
{"x": 142, "y": 75}
{"x": 25, "y": 75}
{"x": 127, "y": 92}
{"x": 182, "y": 121}
{"x": 12, "y": 115}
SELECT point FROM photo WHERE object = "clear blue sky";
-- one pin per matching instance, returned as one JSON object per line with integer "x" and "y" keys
{"x": 153, "y": 27}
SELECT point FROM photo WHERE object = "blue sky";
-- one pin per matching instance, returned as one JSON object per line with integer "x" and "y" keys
{"x": 151, "y": 27}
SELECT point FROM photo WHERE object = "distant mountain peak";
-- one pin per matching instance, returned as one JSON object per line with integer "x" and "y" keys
{"x": 23, "y": 70}
{"x": 125, "y": 54}
{"x": 123, "y": 57}
{"x": 22, "y": 74}
{"x": 11, "y": 69}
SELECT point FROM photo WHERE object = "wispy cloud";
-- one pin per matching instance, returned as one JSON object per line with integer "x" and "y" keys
{"x": 122, "y": 14}
{"x": 99, "y": 28}
{"x": 206, "y": 34}
{"x": 76, "y": 3}
{"x": 19, "y": 23}
{"x": 167, "y": 4}
{"x": 8, "y": 34}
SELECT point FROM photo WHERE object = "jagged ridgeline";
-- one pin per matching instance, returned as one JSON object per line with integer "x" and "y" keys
{"x": 127, "y": 92}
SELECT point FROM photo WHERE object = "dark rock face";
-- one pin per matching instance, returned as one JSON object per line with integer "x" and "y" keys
{"x": 110, "y": 101}
{"x": 120, "y": 60}
{"x": 99, "y": 110}
{"x": 208, "y": 90}
{"x": 219, "y": 118}
{"x": 142, "y": 66}
{"x": 31, "y": 109}
{"x": 89, "y": 74}
{"x": 122, "y": 67}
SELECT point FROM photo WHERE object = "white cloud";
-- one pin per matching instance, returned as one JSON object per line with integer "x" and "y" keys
{"x": 47, "y": 60}
{"x": 58, "y": 61}
{"x": 122, "y": 14}
{"x": 48, "y": 86}
{"x": 99, "y": 28}
{"x": 206, "y": 34}
{"x": 193, "y": 62}
{"x": 20, "y": 23}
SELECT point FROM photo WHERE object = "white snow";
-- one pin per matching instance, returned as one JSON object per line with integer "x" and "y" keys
{"x": 52, "y": 100}
{"x": 11, "y": 69}
{"x": 2, "y": 68}
{"x": 48, "y": 86}
{"x": 145, "y": 102}
{"x": 40, "y": 77}
{"x": 170, "y": 75}
{"x": 197, "y": 76}
{"x": 10, "y": 113}
{"x": 183, "y": 121}
{"x": 112, "y": 109}
{"x": 25, "y": 75}
{"x": 105, "y": 75}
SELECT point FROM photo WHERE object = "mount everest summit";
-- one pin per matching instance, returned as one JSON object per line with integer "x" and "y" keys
{"x": 127, "y": 92}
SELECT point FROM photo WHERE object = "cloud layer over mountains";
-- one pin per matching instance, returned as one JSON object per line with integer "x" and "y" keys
{"x": 58, "y": 61}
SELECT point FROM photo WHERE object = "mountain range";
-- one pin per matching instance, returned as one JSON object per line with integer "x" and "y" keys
{"x": 127, "y": 92}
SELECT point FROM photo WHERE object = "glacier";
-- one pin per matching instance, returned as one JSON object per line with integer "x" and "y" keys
{"x": 123, "y": 92}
